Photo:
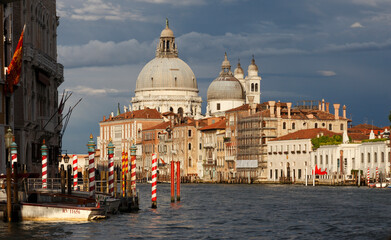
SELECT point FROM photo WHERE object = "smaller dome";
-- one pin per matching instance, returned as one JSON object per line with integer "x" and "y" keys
{"x": 253, "y": 66}
{"x": 225, "y": 88}
{"x": 238, "y": 69}
{"x": 167, "y": 32}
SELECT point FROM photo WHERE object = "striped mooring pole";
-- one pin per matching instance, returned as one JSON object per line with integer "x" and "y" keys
{"x": 154, "y": 178}
{"x": 178, "y": 181}
{"x": 91, "y": 168}
{"x": 133, "y": 149}
{"x": 14, "y": 154}
{"x": 368, "y": 176}
{"x": 110, "y": 148}
{"x": 123, "y": 174}
{"x": 172, "y": 181}
{"x": 44, "y": 152}
{"x": 74, "y": 162}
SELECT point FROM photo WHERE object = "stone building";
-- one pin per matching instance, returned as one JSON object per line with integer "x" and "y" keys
{"x": 32, "y": 110}
{"x": 289, "y": 156}
{"x": 167, "y": 83}
{"x": 125, "y": 130}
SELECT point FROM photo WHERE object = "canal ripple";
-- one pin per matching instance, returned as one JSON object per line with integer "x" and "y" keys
{"x": 216, "y": 211}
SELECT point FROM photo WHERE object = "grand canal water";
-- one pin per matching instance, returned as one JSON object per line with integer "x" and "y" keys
{"x": 214, "y": 211}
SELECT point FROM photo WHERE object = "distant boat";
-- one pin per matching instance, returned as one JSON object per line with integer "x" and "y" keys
{"x": 378, "y": 185}
{"x": 381, "y": 185}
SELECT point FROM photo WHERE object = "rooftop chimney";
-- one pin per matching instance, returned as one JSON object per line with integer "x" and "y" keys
{"x": 289, "y": 105}
{"x": 323, "y": 105}
{"x": 336, "y": 109}
{"x": 327, "y": 107}
{"x": 272, "y": 104}
{"x": 278, "y": 109}
{"x": 344, "y": 111}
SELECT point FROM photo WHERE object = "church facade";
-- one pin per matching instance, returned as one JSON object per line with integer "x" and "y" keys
{"x": 167, "y": 83}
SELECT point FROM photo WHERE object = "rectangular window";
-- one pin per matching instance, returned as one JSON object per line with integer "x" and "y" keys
{"x": 276, "y": 174}
{"x": 362, "y": 157}
{"x": 299, "y": 173}
{"x": 375, "y": 158}
{"x": 218, "y": 106}
{"x": 369, "y": 157}
{"x": 382, "y": 157}
{"x": 271, "y": 174}
{"x": 327, "y": 159}
{"x": 189, "y": 133}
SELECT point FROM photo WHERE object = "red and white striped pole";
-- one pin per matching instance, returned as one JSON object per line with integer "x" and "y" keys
{"x": 133, "y": 149}
{"x": 368, "y": 176}
{"x": 123, "y": 174}
{"x": 178, "y": 181}
{"x": 377, "y": 175}
{"x": 44, "y": 151}
{"x": 172, "y": 181}
{"x": 111, "y": 167}
{"x": 14, "y": 154}
{"x": 154, "y": 178}
{"x": 91, "y": 168}
{"x": 74, "y": 162}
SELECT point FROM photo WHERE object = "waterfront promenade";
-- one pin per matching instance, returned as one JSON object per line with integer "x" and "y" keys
{"x": 234, "y": 211}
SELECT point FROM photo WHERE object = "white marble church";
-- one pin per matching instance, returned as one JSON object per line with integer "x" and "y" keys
{"x": 167, "y": 83}
{"x": 230, "y": 90}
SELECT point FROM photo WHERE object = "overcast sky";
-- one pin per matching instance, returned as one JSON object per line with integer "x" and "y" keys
{"x": 335, "y": 50}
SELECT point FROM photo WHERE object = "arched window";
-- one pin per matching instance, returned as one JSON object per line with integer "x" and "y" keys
{"x": 293, "y": 125}
{"x": 341, "y": 126}
{"x": 180, "y": 111}
{"x": 256, "y": 87}
{"x": 252, "y": 87}
{"x": 316, "y": 125}
{"x": 330, "y": 127}
{"x": 171, "y": 109}
{"x": 189, "y": 146}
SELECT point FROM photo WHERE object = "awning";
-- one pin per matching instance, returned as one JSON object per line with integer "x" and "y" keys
{"x": 246, "y": 164}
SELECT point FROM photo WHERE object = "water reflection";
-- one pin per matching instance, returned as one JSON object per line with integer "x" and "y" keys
{"x": 232, "y": 212}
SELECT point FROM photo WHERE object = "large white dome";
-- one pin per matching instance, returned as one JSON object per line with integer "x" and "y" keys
{"x": 166, "y": 73}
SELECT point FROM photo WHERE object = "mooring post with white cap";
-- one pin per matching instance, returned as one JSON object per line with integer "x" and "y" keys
{"x": 110, "y": 148}
{"x": 91, "y": 168}
{"x": 44, "y": 151}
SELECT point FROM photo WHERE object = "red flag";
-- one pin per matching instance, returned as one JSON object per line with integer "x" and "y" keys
{"x": 15, "y": 67}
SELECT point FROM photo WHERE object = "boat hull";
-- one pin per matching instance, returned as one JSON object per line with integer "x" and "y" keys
{"x": 54, "y": 212}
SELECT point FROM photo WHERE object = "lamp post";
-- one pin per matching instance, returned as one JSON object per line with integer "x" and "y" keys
{"x": 8, "y": 141}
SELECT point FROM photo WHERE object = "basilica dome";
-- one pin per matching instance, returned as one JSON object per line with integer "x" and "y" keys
{"x": 167, "y": 83}
{"x": 163, "y": 73}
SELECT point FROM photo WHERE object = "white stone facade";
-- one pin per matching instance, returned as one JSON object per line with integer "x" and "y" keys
{"x": 167, "y": 83}
{"x": 355, "y": 157}
{"x": 289, "y": 158}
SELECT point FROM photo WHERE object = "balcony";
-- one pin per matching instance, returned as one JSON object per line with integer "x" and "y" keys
{"x": 229, "y": 158}
{"x": 209, "y": 145}
{"x": 210, "y": 162}
{"x": 45, "y": 62}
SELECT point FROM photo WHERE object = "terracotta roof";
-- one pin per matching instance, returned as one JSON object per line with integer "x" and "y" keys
{"x": 218, "y": 125}
{"x": 144, "y": 113}
{"x": 366, "y": 126}
{"x": 307, "y": 134}
{"x": 358, "y": 136}
{"x": 162, "y": 125}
